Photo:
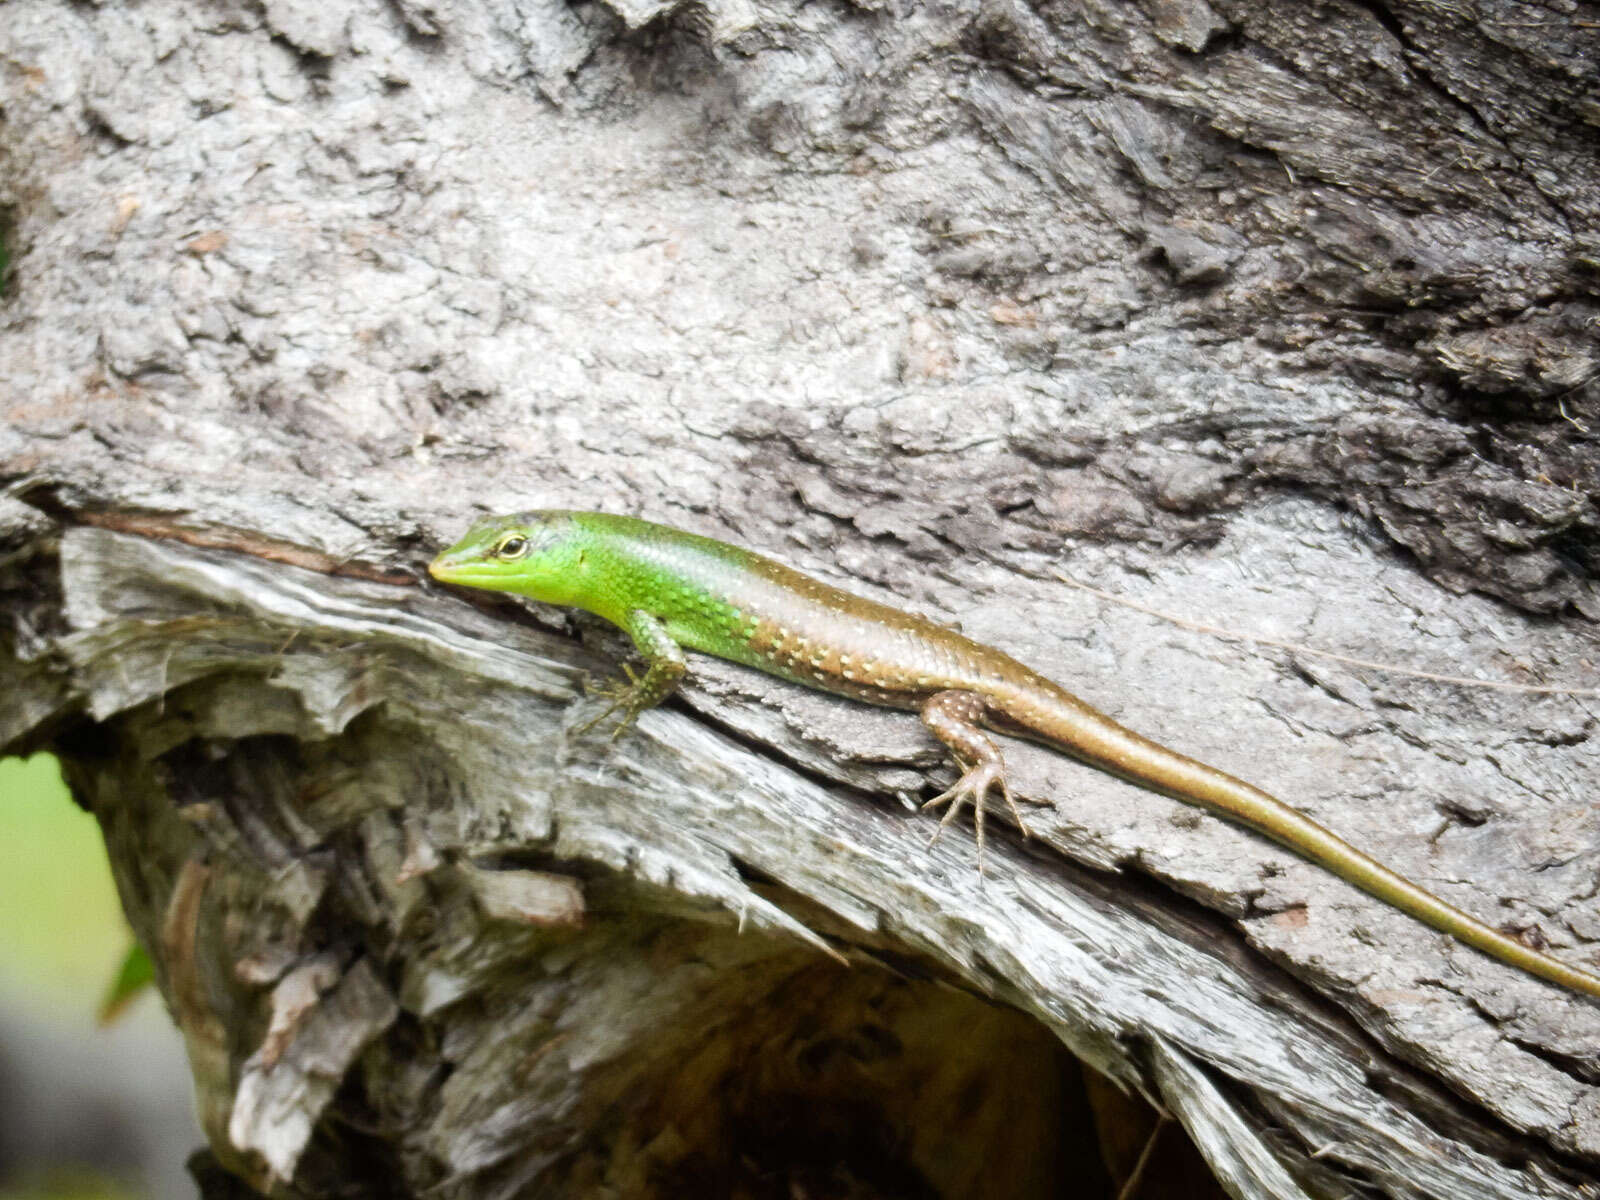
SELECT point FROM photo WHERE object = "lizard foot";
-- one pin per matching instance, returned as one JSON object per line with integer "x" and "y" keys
{"x": 974, "y": 787}
{"x": 630, "y": 698}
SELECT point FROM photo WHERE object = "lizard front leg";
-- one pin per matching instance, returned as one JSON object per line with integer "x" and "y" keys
{"x": 664, "y": 667}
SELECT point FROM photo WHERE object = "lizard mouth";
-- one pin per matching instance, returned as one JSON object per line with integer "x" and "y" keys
{"x": 469, "y": 572}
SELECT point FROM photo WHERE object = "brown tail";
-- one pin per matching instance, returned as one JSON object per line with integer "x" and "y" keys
{"x": 1062, "y": 721}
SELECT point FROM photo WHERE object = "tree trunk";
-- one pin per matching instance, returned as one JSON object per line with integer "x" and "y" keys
{"x": 1280, "y": 317}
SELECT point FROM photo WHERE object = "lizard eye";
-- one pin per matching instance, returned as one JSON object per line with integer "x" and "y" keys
{"x": 513, "y": 545}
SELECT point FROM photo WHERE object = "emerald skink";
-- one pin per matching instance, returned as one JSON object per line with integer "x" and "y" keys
{"x": 670, "y": 590}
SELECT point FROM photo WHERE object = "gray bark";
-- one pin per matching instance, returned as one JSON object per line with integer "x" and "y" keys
{"x": 1279, "y": 317}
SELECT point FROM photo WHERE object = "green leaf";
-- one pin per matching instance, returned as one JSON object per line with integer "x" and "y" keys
{"x": 136, "y": 973}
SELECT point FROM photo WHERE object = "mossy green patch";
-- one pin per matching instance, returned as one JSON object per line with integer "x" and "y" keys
{"x": 66, "y": 1184}
{"x": 62, "y": 932}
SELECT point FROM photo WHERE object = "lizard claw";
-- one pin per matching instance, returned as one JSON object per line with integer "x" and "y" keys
{"x": 611, "y": 688}
{"x": 634, "y": 693}
{"x": 973, "y": 788}
{"x": 622, "y": 696}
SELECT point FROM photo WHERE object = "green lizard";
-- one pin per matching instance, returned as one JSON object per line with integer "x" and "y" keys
{"x": 670, "y": 590}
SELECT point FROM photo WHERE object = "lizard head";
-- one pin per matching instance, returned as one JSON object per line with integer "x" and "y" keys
{"x": 538, "y": 554}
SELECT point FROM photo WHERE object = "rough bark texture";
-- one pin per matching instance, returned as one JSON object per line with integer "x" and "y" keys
{"x": 1278, "y": 315}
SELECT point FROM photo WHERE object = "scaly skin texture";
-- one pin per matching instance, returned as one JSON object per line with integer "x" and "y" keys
{"x": 669, "y": 589}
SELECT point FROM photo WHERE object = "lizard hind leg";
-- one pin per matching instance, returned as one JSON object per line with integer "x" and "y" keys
{"x": 953, "y": 718}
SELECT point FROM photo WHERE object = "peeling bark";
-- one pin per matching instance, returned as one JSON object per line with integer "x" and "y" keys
{"x": 1279, "y": 317}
